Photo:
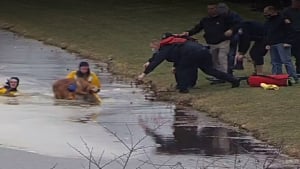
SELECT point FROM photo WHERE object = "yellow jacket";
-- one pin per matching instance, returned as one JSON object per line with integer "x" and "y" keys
{"x": 93, "y": 78}
{"x": 3, "y": 91}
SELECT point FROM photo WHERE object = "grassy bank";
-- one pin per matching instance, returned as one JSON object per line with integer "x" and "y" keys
{"x": 121, "y": 30}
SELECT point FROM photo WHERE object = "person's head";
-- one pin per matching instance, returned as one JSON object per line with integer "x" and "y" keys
{"x": 84, "y": 67}
{"x": 212, "y": 9}
{"x": 296, "y": 4}
{"x": 270, "y": 11}
{"x": 223, "y": 9}
{"x": 13, "y": 83}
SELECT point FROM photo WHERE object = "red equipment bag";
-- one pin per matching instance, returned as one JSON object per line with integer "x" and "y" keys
{"x": 279, "y": 80}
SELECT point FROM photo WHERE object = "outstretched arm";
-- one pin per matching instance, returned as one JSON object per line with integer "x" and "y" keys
{"x": 157, "y": 59}
{"x": 197, "y": 28}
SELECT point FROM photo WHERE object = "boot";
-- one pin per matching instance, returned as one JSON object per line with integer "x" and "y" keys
{"x": 235, "y": 83}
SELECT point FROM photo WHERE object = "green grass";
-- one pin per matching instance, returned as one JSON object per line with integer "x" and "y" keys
{"x": 121, "y": 31}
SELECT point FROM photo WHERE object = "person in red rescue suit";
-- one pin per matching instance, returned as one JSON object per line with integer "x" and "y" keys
{"x": 186, "y": 54}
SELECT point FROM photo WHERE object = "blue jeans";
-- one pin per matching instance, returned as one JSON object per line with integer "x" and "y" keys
{"x": 282, "y": 55}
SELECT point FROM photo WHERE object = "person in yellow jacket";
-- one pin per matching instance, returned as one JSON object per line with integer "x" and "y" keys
{"x": 85, "y": 73}
{"x": 11, "y": 87}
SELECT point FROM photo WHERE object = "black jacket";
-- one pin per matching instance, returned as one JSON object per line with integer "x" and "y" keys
{"x": 294, "y": 16}
{"x": 188, "y": 52}
{"x": 250, "y": 31}
{"x": 278, "y": 31}
{"x": 214, "y": 28}
{"x": 171, "y": 53}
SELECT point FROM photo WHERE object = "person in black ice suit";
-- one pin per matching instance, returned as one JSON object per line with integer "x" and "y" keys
{"x": 185, "y": 54}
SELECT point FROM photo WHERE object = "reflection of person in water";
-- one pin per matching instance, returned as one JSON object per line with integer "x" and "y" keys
{"x": 188, "y": 139}
{"x": 11, "y": 87}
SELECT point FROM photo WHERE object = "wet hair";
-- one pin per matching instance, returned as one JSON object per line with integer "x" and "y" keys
{"x": 7, "y": 84}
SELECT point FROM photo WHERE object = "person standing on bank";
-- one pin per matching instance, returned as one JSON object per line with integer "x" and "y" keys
{"x": 223, "y": 9}
{"x": 293, "y": 15}
{"x": 185, "y": 54}
{"x": 279, "y": 39}
{"x": 252, "y": 31}
{"x": 217, "y": 33}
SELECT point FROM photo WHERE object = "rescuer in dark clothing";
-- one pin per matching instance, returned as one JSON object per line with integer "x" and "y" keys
{"x": 293, "y": 15}
{"x": 279, "y": 36}
{"x": 252, "y": 31}
{"x": 193, "y": 71}
{"x": 186, "y": 54}
{"x": 223, "y": 9}
{"x": 217, "y": 34}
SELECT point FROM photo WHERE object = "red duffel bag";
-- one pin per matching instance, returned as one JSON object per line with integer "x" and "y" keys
{"x": 279, "y": 80}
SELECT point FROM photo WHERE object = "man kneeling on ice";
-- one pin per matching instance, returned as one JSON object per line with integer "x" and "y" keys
{"x": 185, "y": 54}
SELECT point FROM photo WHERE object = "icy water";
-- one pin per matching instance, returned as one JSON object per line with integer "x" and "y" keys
{"x": 127, "y": 130}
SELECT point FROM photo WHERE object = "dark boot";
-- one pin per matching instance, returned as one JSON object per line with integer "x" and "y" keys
{"x": 235, "y": 83}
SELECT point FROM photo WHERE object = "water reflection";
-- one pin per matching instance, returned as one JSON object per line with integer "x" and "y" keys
{"x": 190, "y": 137}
